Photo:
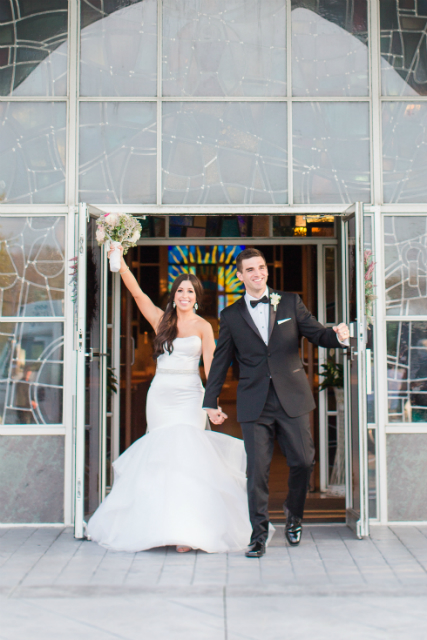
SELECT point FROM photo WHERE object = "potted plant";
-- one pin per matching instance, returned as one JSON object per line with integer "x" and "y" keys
{"x": 333, "y": 374}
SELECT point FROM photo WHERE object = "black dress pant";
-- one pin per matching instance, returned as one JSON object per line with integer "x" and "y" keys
{"x": 296, "y": 444}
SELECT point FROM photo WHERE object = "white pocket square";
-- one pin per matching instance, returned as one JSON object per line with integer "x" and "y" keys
{"x": 284, "y": 320}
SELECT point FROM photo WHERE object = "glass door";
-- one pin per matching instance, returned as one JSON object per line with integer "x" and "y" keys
{"x": 357, "y": 516}
{"x": 91, "y": 346}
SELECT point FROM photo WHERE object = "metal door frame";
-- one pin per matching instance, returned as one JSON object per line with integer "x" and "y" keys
{"x": 86, "y": 211}
{"x": 359, "y": 522}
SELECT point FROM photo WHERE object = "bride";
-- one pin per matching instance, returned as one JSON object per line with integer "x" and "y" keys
{"x": 179, "y": 484}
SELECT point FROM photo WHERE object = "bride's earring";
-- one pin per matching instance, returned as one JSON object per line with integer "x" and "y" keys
{"x": 174, "y": 304}
{"x": 196, "y": 306}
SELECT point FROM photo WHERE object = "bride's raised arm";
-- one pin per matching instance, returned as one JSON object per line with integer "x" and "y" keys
{"x": 146, "y": 306}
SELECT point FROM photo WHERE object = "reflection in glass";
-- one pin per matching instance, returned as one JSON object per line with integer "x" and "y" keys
{"x": 403, "y": 47}
{"x": 224, "y": 153}
{"x": 32, "y": 152}
{"x": 33, "y": 48}
{"x": 32, "y": 266}
{"x": 118, "y": 48}
{"x": 219, "y": 226}
{"x": 331, "y": 153}
{"x": 407, "y": 371}
{"x": 118, "y": 152}
{"x": 404, "y": 151}
{"x": 330, "y": 286}
{"x": 329, "y": 48}
{"x": 152, "y": 227}
{"x": 372, "y": 474}
{"x": 405, "y": 258}
{"x": 224, "y": 48}
{"x": 31, "y": 372}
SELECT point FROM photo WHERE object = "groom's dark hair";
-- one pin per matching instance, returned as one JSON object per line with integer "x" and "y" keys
{"x": 250, "y": 252}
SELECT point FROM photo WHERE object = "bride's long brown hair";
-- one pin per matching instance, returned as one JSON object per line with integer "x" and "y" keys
{"x": 167, "y": 330}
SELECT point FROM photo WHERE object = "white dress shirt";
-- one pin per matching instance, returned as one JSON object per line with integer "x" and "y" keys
{"x": 259, "y": 314}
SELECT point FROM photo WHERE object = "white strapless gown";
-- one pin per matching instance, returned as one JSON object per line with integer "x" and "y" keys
{"x": 179, "y": 484}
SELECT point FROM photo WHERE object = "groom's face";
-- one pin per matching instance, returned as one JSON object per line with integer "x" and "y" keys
{"x": 254, "y": 276}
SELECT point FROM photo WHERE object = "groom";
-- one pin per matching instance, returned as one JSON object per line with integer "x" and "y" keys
{"x": 261, "y": 330}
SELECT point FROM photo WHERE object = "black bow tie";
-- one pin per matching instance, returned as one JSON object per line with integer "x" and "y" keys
{"x": 254, "y": 303}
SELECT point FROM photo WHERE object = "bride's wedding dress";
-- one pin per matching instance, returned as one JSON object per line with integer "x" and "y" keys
{"x": 179, "y": 484}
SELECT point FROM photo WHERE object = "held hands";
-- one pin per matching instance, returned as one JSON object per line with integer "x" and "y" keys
{"x": 342, "y": 332}
{"x": 216, "y": 416}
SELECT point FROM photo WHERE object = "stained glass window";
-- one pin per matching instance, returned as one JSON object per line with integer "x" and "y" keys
{"x": 32, "y": 266}
{"x": 405, "y": 257}
{"x": 33, "y": 47}
{"x": 32, "y": 152}
{"x": 403, "y": 47}
{"x": 224, "y": 153}
{"x": 214, "y": 266}
{"x": 407, "y": 371}
{"x": 118, "y": 152}
{"x": 331, "y": 152}
{"x": 224, "y": 48}
{"x": 31, "y": 372}
{"x": 118, "y": 48}
{"x": 404, "y": 151}
{"x": 329, "y": 48}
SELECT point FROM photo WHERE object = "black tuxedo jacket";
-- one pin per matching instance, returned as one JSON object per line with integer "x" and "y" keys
{"x": 239, "y": 338}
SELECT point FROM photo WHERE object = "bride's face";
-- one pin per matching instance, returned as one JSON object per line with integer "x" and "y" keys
{"x": 185, "y": 296}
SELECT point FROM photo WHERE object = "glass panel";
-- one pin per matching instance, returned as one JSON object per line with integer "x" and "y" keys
{"x": 118, "y": 48}
{"x": 118, "y": 152}
{"x": 219, "y": 226}
{"x": 224, "y": 153}
{"x": 330, "y": 285}
{"x": 405, "y": 257}
{"x": 32, "y": 266}
{"x": 224, "y": 48}
{"x": 404, "y": 151}
{"x": 31, "y": 372}
{"x": 372, "y": 473}
{"x": 33, "y": 48}
{"x": 331, "y": 153}
{"x": 329, "y": 48}
{"x": 407, "y": 371}
{"x": 32, "y": 152}
{"x": 284, "y": 226}
{"x": 403, "y": 47}
{"x": 152, "y": 227}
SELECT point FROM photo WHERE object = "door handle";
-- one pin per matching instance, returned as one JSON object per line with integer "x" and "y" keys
{"x": 95, "y": 353}
{"x": 302, "y": 352}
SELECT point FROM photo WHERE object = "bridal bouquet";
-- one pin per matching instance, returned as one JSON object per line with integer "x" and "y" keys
{"x": 120, "y": 230}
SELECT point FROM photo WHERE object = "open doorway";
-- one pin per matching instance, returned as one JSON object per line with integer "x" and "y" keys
{"x": 309, "y": 269}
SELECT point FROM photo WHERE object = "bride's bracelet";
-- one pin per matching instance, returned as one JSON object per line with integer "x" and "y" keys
{"x": 124, "y": 271}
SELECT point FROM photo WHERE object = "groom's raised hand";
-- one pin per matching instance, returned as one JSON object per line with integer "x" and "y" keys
{"x": 216, "y": 416}
{"x": 342, "y": 332}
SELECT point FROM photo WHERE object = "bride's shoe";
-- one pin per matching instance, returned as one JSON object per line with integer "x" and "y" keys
{"x": 181, "y": 549}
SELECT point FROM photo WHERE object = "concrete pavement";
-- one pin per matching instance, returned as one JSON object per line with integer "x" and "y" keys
{"x": 331, "y": 586}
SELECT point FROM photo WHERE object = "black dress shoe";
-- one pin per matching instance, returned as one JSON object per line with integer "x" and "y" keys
{"x": 256, "y": 550}
{"x": 293, "y": 529}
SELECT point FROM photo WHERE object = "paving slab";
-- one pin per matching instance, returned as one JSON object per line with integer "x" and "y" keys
{"x": 330, "y": 586}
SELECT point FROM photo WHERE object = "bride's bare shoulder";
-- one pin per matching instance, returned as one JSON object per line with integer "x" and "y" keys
{"x": 204, "y": 327}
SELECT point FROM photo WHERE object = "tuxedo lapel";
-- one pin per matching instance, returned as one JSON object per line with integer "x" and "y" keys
{"x": 272, "y": 316}
{"x": 247, "y": 316}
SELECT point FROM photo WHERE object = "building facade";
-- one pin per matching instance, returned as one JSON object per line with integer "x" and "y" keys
{"x": 224, "y": 123}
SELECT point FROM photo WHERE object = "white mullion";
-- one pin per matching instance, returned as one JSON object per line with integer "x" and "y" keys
{"x": 159, "y": 102}
{"x": 289, "y": 100}
{"x": 381, "y": 394}
{"x": 375, "y": 87}
{"x": 38, "y": 319}
{"x": 72, "y": 110}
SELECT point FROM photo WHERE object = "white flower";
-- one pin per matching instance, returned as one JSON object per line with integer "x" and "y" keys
{"x": 274, "y": 300}
{"x": 135, "y": 236}
{"x": 100, "y": 234}
{"x": 112, "y": 219}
